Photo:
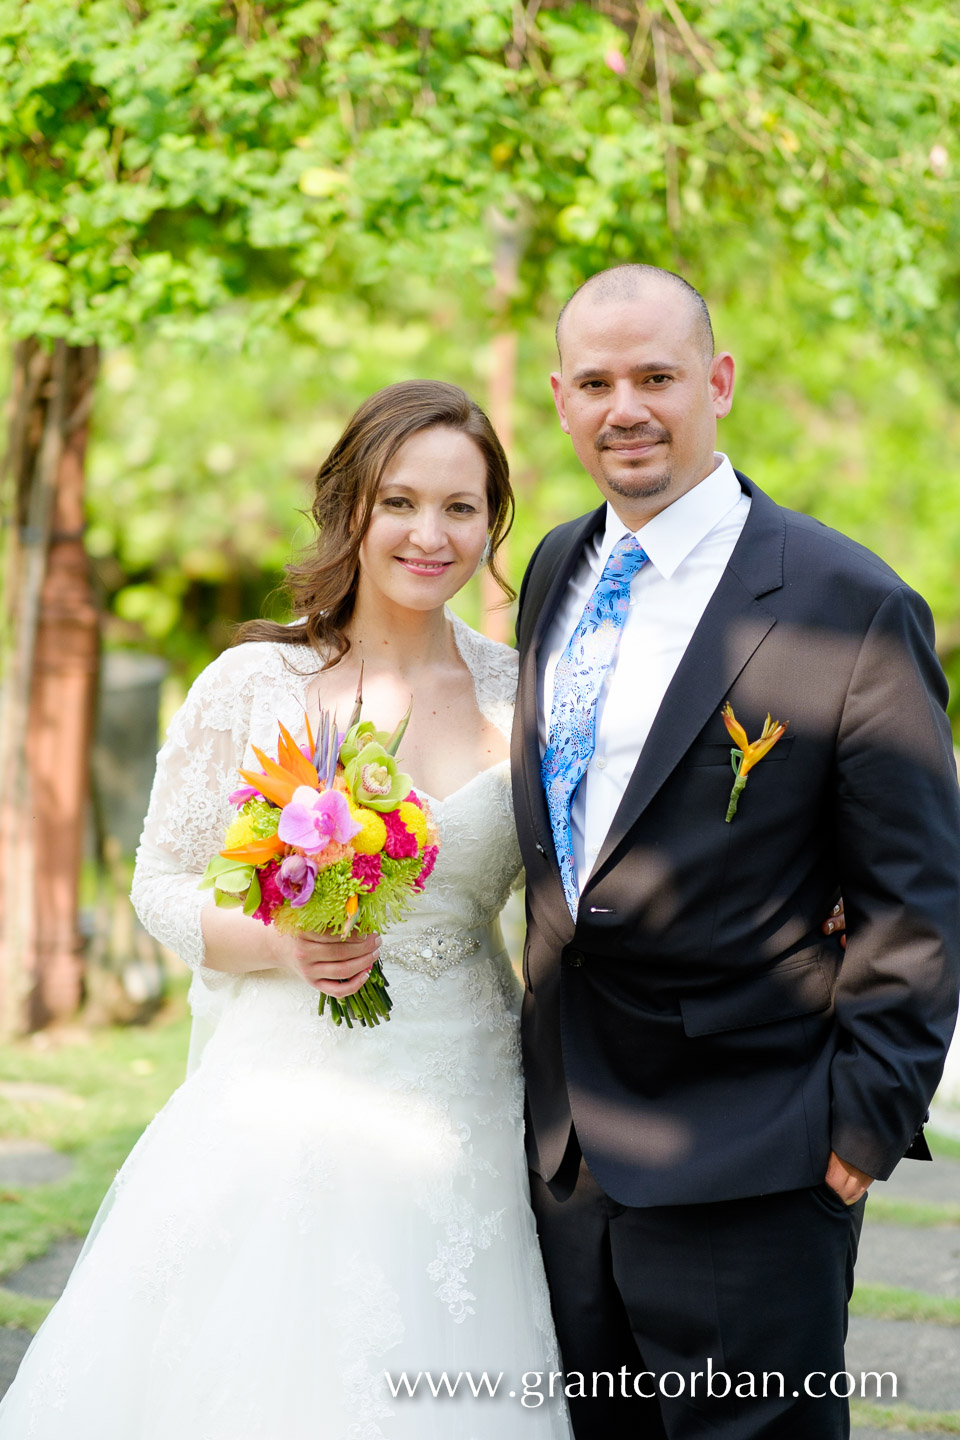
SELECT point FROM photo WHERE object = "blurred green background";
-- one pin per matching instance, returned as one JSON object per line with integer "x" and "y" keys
{"x": 262, "y": 212}
{"x": 199, "y": 465}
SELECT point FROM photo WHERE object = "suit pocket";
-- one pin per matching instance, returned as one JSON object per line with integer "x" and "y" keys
{"x": 796, "y": 986}
{"x": 828, "y": 1197}
{"x": 719, "y": 754}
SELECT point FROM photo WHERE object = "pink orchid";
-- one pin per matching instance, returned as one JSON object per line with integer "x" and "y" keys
{"x": 241, "y": 796}
{"x": 296, "y": 879}
{"x": 315, "y": 817}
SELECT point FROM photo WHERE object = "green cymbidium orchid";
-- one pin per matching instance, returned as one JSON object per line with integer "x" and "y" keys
{"x": 375, "y": 780}
{"x": 358, "y": 736}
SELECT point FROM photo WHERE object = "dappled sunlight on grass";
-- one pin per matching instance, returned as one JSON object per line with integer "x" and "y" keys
{"x": 88, "y": 1094}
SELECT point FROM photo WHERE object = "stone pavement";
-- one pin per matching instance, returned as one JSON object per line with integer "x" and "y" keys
{"x": 23, "y": 1164}
{"x": 925, "y": 1357}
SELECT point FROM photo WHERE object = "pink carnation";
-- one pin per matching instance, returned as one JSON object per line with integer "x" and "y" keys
{"x": 271, "y": 896}
{"x": 429, "y": 860}
{"x": 401, "y": 842}
{"x": 367, "y": 868}
{"x": 413, "y": 799}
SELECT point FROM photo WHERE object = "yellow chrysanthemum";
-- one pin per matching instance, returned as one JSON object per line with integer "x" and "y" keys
{"x": 241, "y": 832}
{"x": 414, "y": 819}
{"x": 371, "y": 839}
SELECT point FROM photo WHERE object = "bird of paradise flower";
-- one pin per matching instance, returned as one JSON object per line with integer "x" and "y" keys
{"x": 748, "y": 753}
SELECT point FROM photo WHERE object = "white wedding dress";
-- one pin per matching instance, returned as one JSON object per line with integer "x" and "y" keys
{"x": 315, "y": 1207}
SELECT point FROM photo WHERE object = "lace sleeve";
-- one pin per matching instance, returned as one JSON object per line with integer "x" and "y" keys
{"x": 189, "y": 810}
{"x": 494, "y": 668}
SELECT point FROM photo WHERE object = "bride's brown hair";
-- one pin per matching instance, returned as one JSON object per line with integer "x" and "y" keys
{"x": 323, "y": 585}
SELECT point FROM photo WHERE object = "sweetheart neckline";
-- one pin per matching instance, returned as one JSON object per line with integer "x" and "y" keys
{"x": 437, "y": 800}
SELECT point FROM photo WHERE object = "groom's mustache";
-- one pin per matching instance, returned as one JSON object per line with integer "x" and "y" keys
{"x": 639, "y": 435}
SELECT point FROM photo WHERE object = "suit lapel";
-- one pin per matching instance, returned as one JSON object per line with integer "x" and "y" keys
{"x": 528, "y": 732}
{"x": 732, "y": 626}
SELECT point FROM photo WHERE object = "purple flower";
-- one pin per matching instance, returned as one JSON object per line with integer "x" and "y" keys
{"x": 315, "y": 817}
{"x": 296, "y": 878}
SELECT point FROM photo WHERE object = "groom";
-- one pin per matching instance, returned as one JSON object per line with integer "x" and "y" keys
{"x": 712, "y": 1084}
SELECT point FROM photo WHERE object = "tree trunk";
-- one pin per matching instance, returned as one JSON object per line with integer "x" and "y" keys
{"x": 50, "y": 642}
{"x": 503, "y": 381}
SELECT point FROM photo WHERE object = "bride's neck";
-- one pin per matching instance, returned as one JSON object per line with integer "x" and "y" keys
{"x": 387, "y": 637}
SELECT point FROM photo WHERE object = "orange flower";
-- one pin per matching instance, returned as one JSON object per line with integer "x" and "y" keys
{"x": 292, "y": 758}
{"x": 256, "y": 851}
{"x": 751, "y": 752}
{"x": 737, "y": 733}
{"x": 280, "y": 779}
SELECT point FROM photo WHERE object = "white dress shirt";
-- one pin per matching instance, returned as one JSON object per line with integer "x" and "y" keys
{"x": 688, "y": 545}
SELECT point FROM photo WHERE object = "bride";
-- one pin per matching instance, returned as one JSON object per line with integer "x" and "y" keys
{"x": 318, "y": 1212}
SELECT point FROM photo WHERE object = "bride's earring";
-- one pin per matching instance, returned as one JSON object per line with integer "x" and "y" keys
{"x": 487, "y": 552}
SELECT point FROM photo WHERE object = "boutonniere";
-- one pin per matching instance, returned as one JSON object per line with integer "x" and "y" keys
{"x": 747, "y": 752}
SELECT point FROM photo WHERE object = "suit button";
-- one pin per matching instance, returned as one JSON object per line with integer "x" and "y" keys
{"x": 540, "y": 848}
{"x": 574, "y": 958}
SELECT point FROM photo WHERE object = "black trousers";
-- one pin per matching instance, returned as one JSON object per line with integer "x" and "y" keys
{"x": 721, "y": 1320}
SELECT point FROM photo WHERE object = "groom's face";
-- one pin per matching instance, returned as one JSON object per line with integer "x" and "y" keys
{"x": 639, "y": 397}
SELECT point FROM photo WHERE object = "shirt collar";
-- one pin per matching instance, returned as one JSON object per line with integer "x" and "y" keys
{"x": 672, "y": 535}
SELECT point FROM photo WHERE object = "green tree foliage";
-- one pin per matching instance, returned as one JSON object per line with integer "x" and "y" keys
{"x": 196, "y": 170}
{"x": 198, "y": 470}
{"x": 161, "y": 158}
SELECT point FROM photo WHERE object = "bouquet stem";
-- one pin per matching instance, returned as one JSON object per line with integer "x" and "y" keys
{"x": 367, "y": 1006}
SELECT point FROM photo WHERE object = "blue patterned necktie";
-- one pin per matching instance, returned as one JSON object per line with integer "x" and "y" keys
{"x": 580, "y": 673}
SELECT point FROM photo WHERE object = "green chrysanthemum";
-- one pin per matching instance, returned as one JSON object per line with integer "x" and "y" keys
{"x": 264, "y": 819}
{"x": 326, "y": 908}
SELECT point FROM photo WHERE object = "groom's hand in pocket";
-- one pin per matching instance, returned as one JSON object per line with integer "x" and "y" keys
{"x": 337, "y": 967}
{"x": 836, "y": 923}
{"x": 846, "y": 1180}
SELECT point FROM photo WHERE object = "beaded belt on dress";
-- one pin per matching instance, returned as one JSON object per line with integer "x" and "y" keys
{"x": 433, "y": 951}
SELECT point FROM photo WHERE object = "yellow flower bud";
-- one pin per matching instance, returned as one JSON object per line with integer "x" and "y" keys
{"x": 371, "y": 839}
{"x": 415, "y": 820}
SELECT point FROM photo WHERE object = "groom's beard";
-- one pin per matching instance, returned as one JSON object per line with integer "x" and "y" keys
{"x": 644, "y": 484}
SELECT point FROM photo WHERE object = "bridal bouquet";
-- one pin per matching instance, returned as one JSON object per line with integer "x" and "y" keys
{"x": 329, "y": 836}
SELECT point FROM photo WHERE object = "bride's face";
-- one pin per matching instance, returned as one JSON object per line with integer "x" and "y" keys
{"x": 429, "y": 522}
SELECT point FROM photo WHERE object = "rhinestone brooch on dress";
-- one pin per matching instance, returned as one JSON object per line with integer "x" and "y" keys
{"x": 433, "y": 951}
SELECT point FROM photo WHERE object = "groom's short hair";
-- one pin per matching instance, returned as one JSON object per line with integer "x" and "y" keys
{"x": 624, "y": 282}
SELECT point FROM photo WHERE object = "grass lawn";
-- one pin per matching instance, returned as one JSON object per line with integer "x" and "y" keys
{"x": 904, "y": 1420}
{"x": 104, "y": 1087}
{"x": 890, "y": 1302}
{"x": 946, "y": 1146}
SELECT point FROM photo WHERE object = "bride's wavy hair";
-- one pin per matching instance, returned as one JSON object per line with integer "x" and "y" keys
{"x": 322, "y": 584}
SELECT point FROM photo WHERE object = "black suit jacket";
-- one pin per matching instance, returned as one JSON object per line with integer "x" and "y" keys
{"x": 705, "y": 1037}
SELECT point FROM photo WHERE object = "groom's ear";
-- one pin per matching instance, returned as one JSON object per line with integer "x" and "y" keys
{"x": 721, "y": 378}
{"x": 556, "y": 382}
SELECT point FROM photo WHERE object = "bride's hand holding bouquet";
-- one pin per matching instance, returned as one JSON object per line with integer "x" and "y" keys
{"x": 330, "y": 841}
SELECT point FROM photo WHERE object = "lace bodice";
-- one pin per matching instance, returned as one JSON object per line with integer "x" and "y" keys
{"x": 235, "y": 704}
